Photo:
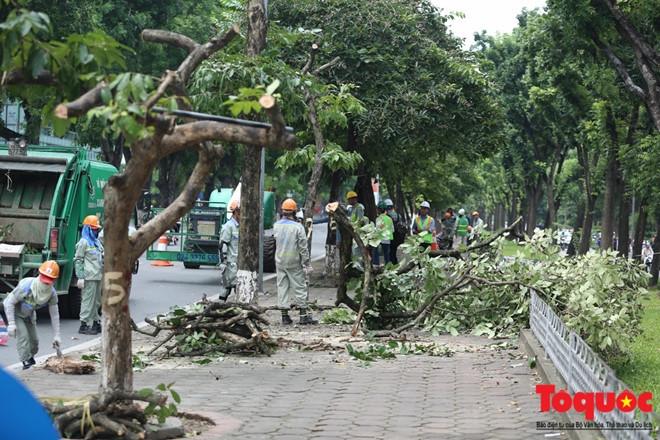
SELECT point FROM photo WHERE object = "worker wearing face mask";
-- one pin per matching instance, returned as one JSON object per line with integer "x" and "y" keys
{"x": 88, "y": 262}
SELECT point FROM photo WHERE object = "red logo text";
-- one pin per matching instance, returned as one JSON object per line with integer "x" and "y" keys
{"x": 588, "y": 402}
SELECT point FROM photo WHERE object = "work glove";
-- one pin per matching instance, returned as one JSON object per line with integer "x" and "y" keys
{"x": 11, "y": 329}
{"x": 57, "y": 340}
{"x": 309, "y": 270}
{"x": 80, "y": 284}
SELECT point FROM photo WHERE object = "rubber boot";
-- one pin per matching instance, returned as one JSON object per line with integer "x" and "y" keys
{"x": 96, "y": 327}
{"x": 86, "y": 330}
{"x": 286, "y": 319}
{"x": 306, "y": 320}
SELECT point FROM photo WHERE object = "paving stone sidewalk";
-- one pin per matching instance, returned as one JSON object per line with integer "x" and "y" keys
{"x": 481, "y": 392}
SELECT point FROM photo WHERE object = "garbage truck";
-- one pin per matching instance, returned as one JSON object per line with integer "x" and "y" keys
{"x": 198, "y": 235}
{"x": 45, "y": 193}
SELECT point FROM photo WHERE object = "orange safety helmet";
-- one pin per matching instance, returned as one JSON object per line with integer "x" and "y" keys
{"x": 235, "y": 205}
{"x": 289, "y": 205}
{"x": 475, "y": 213}
{"x": 469, "y": 228}
{"x": 50, "y": 269}
{"x": 447, "y": 215}
{"x": 92, "y": 221}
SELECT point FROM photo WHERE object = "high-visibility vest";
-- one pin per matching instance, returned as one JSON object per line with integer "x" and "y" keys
{"x": 354, "y": 212}
{"x": 387, "y": 224}
{"x": 428, "y": 238}
{"x": 462, "y": 226}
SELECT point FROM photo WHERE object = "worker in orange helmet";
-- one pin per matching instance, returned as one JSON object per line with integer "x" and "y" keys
{"x": 88, "y": 264}
{"x": 292, "y": 260}
{"x": 21, "y": 306}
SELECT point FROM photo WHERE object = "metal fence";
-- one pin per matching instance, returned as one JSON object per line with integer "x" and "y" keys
{"x": 584, "y": 371}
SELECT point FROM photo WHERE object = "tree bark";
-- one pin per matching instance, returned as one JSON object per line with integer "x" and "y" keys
{"x": 609, "y": 201}
{"x": 646, "y": 57}
{"x": 248, "y": 243}
{"x": 534, "y": 195}
{"x": 551, "y": 220}
{"x": 640, "y": 230}
{"x": 587, "y": 224}
{"x": 622, "y": 189}
{"x": 166, "y": 183}
{"x": 655, "y": 264}
{"x": 112, "y": 150}
{"x": 330, "y": 269}
{"x": 317, "y": 168}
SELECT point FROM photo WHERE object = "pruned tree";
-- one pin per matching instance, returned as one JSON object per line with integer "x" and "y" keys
{"x": 126, "y": 101}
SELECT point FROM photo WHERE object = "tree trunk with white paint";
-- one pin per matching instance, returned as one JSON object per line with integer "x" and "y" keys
{"x": 122, "y": 191}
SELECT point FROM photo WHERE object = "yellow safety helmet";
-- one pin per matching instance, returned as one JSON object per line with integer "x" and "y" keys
{"x": 351, "y": 194}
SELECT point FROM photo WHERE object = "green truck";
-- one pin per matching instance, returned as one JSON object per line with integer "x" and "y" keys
{"x": 198, "y": 236}
{"x": 45, "y": 193}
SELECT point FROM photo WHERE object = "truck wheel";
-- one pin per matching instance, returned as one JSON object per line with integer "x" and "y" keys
{"x": 74, "y": 299}
{"x": 188, "y": 265}
{"x": 269, "y": 253}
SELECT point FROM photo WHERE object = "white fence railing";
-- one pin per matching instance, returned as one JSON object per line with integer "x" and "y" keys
{"x": 584, "y": 371}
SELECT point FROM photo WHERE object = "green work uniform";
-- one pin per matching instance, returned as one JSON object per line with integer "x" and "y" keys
{"x": 229, "y": 240}
{"x": 88, "y": 262}
{"x": 23, "y": 312}
{"x": 291, "y": 256}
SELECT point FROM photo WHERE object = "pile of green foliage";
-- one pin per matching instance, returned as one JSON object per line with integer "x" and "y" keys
{"x": 598, "y": 296}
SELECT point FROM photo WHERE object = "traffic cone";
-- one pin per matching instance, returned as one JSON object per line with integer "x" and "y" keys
{"x": 4, "y": 337}
{"x": 434, "y": 243}
{"x": 162, "y": 246}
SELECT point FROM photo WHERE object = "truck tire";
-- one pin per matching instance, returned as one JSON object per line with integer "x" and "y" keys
{"x": 74, "y": 299}
{"x": 269, "y": 253}
{"x": 188, "y": 265}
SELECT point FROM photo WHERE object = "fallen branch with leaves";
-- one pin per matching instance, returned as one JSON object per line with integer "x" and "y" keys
{"x": 212, "y": 327}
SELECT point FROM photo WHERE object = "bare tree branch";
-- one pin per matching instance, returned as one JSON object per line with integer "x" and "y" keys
{"x": 169, "y": 38}
{"x": 82, "y": 105}
{"x": 326, "y": 66}
{"x": 620, "y": 68}
{"x": 188, "y": 135}
{"x": 204, "y": 51}
{"x": 628, "y": 30}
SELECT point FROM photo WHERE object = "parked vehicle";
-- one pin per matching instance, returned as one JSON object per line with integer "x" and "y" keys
{"x": 44, "y": 197}
{"x": 198, "y": 236}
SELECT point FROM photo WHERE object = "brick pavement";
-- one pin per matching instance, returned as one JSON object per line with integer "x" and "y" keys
{"x": 478, "y": 393}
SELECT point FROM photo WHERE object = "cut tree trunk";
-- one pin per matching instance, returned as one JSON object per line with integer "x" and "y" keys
{"x": 247, "y": 275}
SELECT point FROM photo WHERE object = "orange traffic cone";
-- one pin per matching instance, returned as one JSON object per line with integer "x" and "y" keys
{"x": 434, "y": 243}
{"x": 162, "y": 246}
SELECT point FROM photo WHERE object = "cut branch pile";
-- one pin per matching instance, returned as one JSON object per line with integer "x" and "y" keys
{"x": 219, "y": 327}
{"x": 109, "y": 414}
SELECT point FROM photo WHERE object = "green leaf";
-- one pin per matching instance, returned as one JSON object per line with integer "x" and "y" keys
{"x": 176, "y": 396}
{"x": 146, "y": 392}
{"x": 106, "y": 95}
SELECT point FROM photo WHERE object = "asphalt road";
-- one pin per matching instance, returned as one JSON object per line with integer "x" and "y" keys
{"x": 155, "y": 289}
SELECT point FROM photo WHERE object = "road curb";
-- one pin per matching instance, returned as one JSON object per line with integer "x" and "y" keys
{"x": 550, "y": 375}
